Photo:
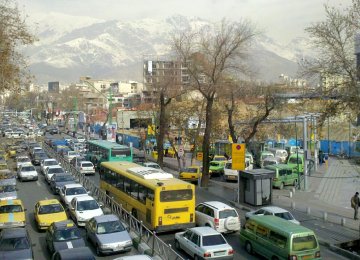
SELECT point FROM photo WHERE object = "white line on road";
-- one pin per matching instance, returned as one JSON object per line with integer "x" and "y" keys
{"x": 38, "y": 183}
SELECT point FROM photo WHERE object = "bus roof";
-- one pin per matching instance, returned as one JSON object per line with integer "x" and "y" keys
{"x": 280, "y": 225}
{"x": 107, "y": 144}
{"x": 127, "y": 169}
{"x": 149, "y": 173}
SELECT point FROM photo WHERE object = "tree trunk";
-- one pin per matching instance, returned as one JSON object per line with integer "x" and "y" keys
{"x": 206, "y": 142}
{"x": 230, "y": 110}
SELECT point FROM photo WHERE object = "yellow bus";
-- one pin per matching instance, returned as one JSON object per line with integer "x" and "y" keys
{"x": 161, "y": 201}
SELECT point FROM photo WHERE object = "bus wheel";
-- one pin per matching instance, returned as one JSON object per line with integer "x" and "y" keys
{"x": 248, "y": 247}
{"x": 134, "y": 213}
{"x": 281, "y": 186}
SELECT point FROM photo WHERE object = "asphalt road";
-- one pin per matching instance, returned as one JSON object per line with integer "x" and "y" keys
{"x": 31, "y": 192}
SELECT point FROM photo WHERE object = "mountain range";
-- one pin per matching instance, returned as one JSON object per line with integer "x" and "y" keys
{"x": 69, "y": 47}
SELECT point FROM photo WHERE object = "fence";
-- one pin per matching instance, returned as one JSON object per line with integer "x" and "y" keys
{"x": 157, "y": 246}
{"x": 339, "y": 148}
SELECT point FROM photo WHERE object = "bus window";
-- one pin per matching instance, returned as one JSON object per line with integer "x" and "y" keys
{"x": 277, "y": 239}
{"x": 304, "y": 243}
{"x": 120, "y": 182}
{"x": 175, "y": 195}
{"x": 150, "y": 194}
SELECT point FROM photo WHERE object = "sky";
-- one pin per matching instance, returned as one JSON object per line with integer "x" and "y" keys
{"x": 282, "y": 20}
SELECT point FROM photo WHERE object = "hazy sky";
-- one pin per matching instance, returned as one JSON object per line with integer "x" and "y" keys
{"x": 281, "y": 19}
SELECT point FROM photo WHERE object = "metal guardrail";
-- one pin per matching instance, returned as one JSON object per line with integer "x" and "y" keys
{"x": 157, "y": 246}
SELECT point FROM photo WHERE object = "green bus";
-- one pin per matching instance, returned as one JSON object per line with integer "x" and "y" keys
{"x": 284, "y": 175}
{"x": 276, "y": 238}
{"x": 106, "y": 151}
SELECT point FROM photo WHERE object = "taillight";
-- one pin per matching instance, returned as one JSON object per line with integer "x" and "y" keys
{"x": 216, "y": 222}
{"x": 231, "y": 252}
{"x": 160, "y": 221}
{"x": 191, "y": 217}
{"x": 207, "y": 254}
{"x": 317, "y": 254}
{"x": 292, "y": 257}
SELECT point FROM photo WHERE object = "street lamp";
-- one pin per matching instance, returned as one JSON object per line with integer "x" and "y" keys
{"x": 349, "y": 145}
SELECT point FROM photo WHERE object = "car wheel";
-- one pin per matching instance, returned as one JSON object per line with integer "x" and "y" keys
{"x": 98, "y": 252}
{"x": 281, "y": 186}
{"x": 177, "y": 245}
{"x": 248, "y": 247}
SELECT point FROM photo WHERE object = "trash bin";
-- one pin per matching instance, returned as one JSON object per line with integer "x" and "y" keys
{"x": 154, "y": 154}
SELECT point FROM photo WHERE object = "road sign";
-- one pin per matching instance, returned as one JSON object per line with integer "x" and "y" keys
{"x": 199, "y": 156}
{"x": 238, "y": 156}
{"x": 181, "y": 151}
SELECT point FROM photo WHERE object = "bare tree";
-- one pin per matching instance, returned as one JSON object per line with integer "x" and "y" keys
{"x": 13, "y": 33}
{"x": 210, "y": 53}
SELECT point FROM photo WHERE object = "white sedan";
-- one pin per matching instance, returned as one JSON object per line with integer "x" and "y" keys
{"x": 275, "y": 211}
{"x": 46, "y": 163}
{"x": 84, "y": 208}
{"x": 22, "y": 160}
{"x": 27, "y": 172}
{"x": 70, "y": 191}
{"x": 51, "y": 170}
{"x": 85, "y": 167}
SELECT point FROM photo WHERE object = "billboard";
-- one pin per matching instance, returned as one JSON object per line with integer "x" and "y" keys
{"x": 111, "y": 130}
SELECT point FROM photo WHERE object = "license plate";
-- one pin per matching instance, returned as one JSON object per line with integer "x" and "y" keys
{"x": 232, "y": 177}
{"x": 305, "y": 257}
{"x": 219, "y": 253}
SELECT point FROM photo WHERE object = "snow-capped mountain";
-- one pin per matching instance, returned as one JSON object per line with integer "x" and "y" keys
{"x": 70, "y": 47}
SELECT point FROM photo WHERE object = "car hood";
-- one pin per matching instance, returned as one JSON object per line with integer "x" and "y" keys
{"x": 18, "y": 254}
{"x": 61, "y": 245}
{"x": 50, "y": 218}
{"x": 113, "y": 237}
{"x": 88, "y": 214}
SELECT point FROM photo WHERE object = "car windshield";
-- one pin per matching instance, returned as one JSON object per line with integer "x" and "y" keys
{"x": 214, "y": 163}
{"x": 87, "y": 165}
{"x": 227, "y": 213}
{"x": 49, "y": 163}
{"x": 213, "y": 240}
{"x": 87, "y": 205}
{"x": 67, "y": 234}
{"x": 28, "y": 169}
{"x": 10, "y": 209}
{"x": 294, "y": 160}
{"x": 284, "y": 215}
{"x": 192, "y": 170}
{"x": 15, "y": 243}
{"x": 109, "y": 227}
{"x": 49, "y": 209}
{"x": 75, "y": 191}
{"x": 219, "y": 159}
{"x": 7, "y": 188}
{"x": 55, "y": 170}
{"x": 63, "y": 178}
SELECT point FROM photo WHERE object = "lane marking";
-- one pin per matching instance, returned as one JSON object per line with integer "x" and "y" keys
{"x": 38, "y": 183}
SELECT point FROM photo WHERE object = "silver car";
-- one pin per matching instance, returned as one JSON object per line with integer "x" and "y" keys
{"x": 8, "y": 190}
{"x": 15, "y": 244}
{"x": 204, "y": 242}
{"x": 108, "y": 234}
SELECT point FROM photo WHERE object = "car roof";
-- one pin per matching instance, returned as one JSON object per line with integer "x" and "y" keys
{"x": 78, "y": 253}
{"x": 217, "y": 205}
{"x": 274, "y": 209}
{"x": 13, "y": 232}
{"x": 205, "y": 231}
{"x": 106, "y": 218}
{"x": 73, "y": 185}
{"x": 85, "y": 162}
{"x": 48, "y": 202}
{"x": 83, "y": 198}
{"x": 10, "y": 202}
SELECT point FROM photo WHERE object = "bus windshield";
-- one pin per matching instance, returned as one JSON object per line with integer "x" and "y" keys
{"x": 304, "y": 243}
{"x": 120, "y": 152}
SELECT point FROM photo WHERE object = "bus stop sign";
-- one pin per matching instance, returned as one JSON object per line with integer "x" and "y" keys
{"x": 238, "y": 156}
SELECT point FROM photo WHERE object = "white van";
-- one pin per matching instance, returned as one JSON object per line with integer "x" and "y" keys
{"x": 232, "y": 175}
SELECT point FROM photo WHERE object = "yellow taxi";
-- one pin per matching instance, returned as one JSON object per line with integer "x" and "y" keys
{"x": 12, "y": 214}
{"x": 49, "y": 211}
{"x": 191, "y": 173}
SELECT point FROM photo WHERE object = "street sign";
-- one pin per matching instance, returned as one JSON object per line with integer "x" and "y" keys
{"x": 181, "y": 151}
{"x": 238, "y": 156}
{"x": 199, "y": 156}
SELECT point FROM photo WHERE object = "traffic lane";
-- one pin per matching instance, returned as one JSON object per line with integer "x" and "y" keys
{"x": 30, "y": 193}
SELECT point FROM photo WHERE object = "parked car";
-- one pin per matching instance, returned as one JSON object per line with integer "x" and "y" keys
{"x": 27, "y": 172}
{"x": 218, "y": 215}
{"x": 204, "y": 243}
{"x": 15, "y": 243}
{"x": 47, "y": 212}
{"x": 83, "y": 208}
{"x": 58, "y": 180}
{"x": 108, "y": 234}
{"x": 275, "y": 211}
{"x": 63, "y": 235}
{"x": 69, "y": 191}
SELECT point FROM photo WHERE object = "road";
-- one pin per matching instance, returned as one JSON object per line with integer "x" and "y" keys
{"x": 31, "y": 192}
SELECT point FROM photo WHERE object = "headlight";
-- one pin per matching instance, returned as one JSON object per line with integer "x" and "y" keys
{"x": 106, "y": 246}
{"x": 128, "y": 242}
{"x": 43, "y": 224}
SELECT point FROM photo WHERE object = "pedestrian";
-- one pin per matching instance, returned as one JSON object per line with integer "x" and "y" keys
{"x": 321, "y": 157}
{"x": 355, "y": 203}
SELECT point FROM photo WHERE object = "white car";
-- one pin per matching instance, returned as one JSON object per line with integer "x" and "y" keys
{"x": 275, "y": 211}
{"x": 22, "y": 160}
{"x": 205, "y": 242}
{"x": 81, "y": 139}
{"x": 27, "y": 172}
{"x": 84, "y": 208}
{"x": 51, "y": 170}
{"x": 46, "y": 163}
{"x": 71, "y": 154}
{"x": 85, "y": 167}
{"x": 219, "y": 216}
{"x": 70, "y": 191}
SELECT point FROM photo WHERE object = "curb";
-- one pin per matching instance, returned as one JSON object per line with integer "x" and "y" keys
{"x": 339, "y": 250}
